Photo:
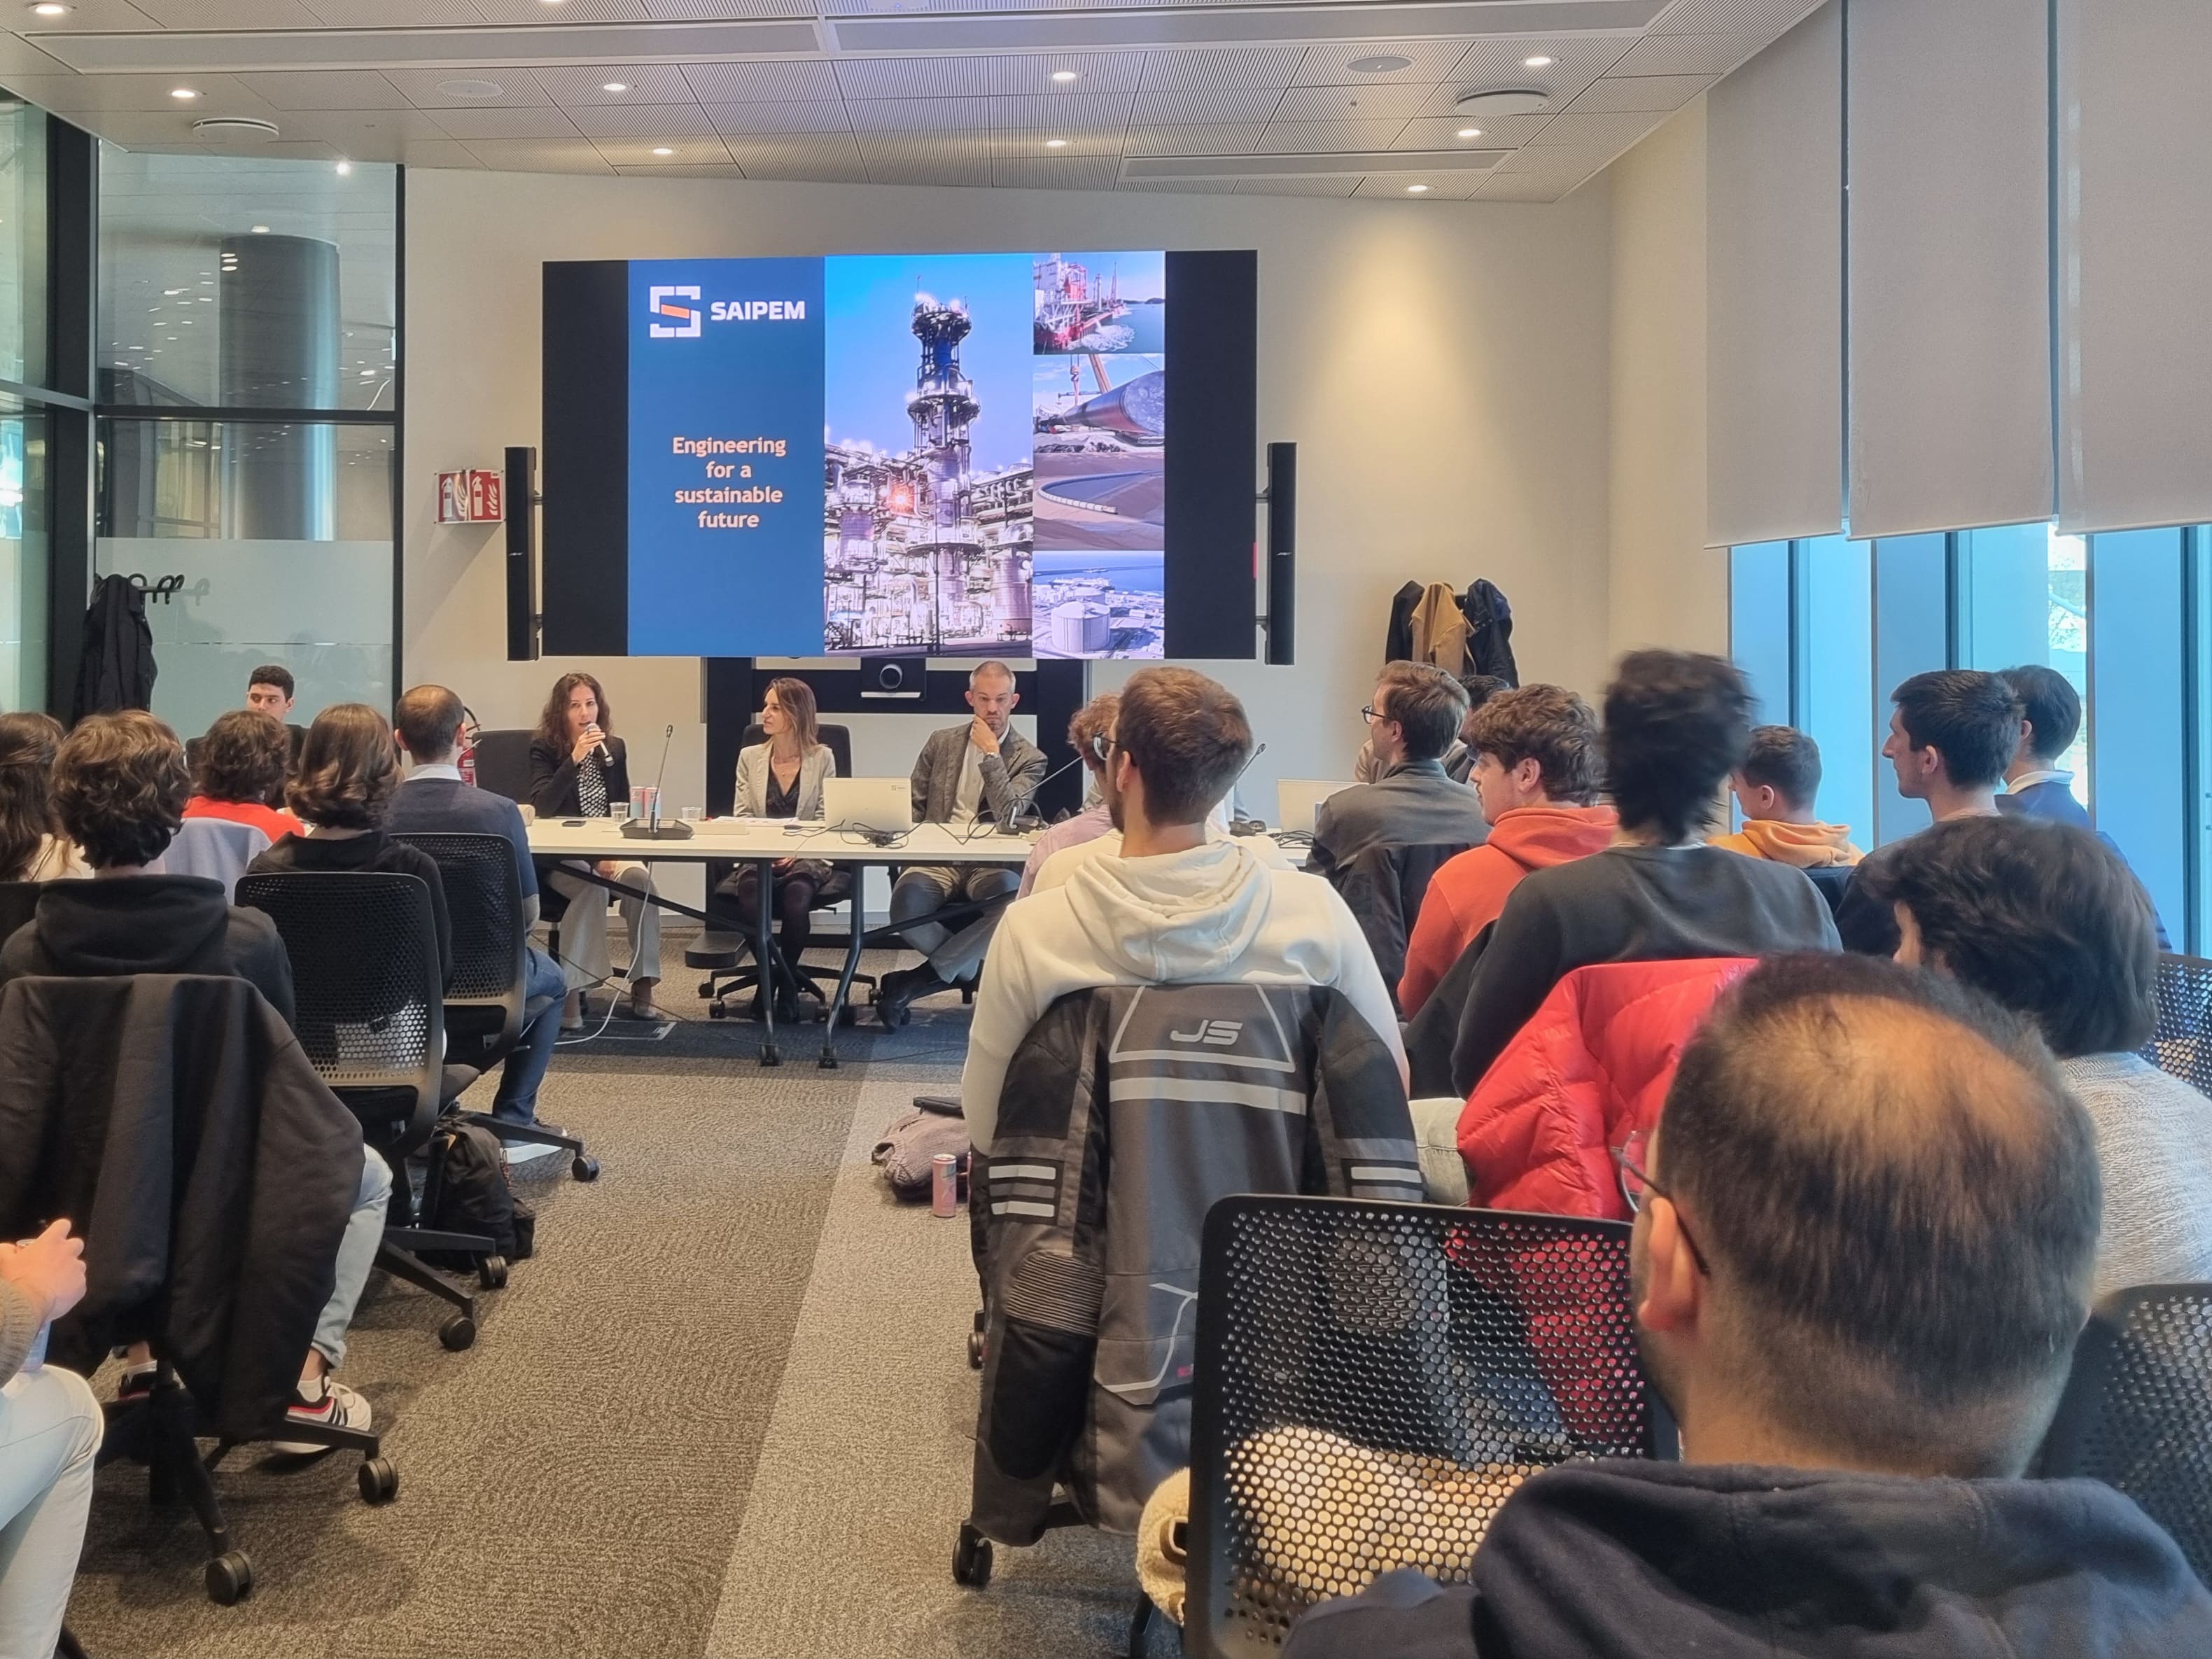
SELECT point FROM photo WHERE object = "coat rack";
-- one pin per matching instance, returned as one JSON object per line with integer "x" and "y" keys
{"x": 163, "y": 590}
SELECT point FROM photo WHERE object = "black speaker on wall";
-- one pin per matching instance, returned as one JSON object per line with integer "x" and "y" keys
{"x": 520, "y": 501}
{"x": 1282, "y": 499}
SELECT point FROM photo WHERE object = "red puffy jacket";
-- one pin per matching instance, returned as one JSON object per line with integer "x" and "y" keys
{"x": 1591, "y": 1067}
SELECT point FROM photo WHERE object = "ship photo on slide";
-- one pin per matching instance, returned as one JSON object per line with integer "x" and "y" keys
{"x": 1101, "y": 302}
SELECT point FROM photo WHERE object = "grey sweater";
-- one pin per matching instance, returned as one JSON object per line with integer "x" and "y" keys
{"x": 2154, "y": 1151}
{"x": 19, "y": 1327}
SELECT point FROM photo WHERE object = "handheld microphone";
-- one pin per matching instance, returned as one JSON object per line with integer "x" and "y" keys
{"x": 656, "y": 830}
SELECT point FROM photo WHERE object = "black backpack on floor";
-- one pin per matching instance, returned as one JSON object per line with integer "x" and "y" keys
{"x": 473, "y": 1196}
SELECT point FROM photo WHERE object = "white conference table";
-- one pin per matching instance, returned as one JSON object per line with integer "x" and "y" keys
{"x": 759, "y": 842}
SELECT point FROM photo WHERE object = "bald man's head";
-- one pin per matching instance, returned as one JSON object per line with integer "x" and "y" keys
{"x": 1899, "y": 1203}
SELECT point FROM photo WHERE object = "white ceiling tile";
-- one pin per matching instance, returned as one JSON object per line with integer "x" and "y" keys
{"x": 1328, "y": 137}
{"x": 1598, "y": 132}
{"x": 71, "y": 95}
{"x": 368, "y": 135}
{"x": 724, "y": 170}
{"x": 470, "y": 124}
{"x": 954, "y": 173}
{"x": 826, "y": 155}
{"x": 228, "y": 14}
{"x": 1181, "y": 186}
{"x": 528, "y": 155}
{"x": 425, "y": 153}
{"x": 768, "y": 118}
{"x": 314, "y": 90}
{"x": 1223, "y": 69}
{"x": 716, "y": 11}
{"x": 1013, "y": 143}
{"x": 428, "y": 88}
{"x": 568, "y": 11}
{"x": 1687, "y": 54}
{"x": 1205, "y": 108}
{"x": 918, "y": 114}
{"x": 979, "y": 76}
{"x": 643, "y": 83}
{"x": 19, "y": 57}
{"x": 1442, "y": 186}
{"x": 1442, "y": 131}
{"x": 1502, "y": 61}
{"x": 100, "y": 16}
{"x": 1771, "y": 18}
{"x": 1040, "y": 173}
{"x": 654, "y": 121}
{"x": 769, "y": 82}
{"x": 1371, "y": 103}
{"x": 1427, "y": 62}
{"x": 1080, "y": 112}
{"x": 645, "y": 152}
{"x": 1241, "y": 138}
{"x": 899, "y": 148}
{"x": 393, "y": 14}
{"x": 1614, "y": 92}
{"x": 1557, "y": 161}
{"x": 1337, "y": 186}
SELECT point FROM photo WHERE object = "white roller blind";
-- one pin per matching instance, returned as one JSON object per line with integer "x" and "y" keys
{"x": 1774, "y": 311}
{"x": 1950, "y": 263}
{"x": 2134, "y": 272}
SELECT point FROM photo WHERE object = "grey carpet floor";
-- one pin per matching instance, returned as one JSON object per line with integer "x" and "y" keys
{"x": 725, "y": 1410}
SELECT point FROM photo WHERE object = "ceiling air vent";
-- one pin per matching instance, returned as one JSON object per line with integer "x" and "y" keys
{"x": 234, "y": 130}
{"x": 1503, "y": 101}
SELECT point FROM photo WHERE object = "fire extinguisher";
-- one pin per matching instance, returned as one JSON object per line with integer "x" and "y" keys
{"x": 465, "y": 761}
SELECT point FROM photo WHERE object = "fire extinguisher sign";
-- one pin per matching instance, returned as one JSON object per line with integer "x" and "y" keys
{"x": 474, "y": 496}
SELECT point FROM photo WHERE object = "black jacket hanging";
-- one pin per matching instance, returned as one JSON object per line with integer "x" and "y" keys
{"x": 117, "y": 668}
{"x": 1398, "y": 643}
{"x": 1490, "y": 632}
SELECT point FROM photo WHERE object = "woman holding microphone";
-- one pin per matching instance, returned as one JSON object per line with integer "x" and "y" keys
{"x": 578, "y": 770}
{"x": 782, "y": 778}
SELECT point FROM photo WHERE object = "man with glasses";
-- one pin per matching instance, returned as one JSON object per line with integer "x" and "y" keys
{"x": 1412, "y": 718}
{"x": 1862, "y": 1252}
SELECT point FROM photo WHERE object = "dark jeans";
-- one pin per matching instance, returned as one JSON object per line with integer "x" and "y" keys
{"x": 517, "y": 1100}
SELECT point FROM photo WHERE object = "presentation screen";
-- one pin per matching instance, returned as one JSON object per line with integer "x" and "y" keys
{"x": 985, "y": 454}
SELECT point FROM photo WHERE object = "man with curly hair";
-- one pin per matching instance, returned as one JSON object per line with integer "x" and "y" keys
{"x": 119, "y": 786}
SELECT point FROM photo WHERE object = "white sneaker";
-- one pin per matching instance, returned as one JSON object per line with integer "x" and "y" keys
{"x": 332, "y": 1406}
{"x": 522, "y": 1152}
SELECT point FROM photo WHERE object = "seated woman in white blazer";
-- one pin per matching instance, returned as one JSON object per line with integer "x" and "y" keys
{"x": 782, "y": 778}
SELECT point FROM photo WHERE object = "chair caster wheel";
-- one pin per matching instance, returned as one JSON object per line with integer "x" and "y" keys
{"x": 706, "y": 987}
{"x": 458, "y": 1333}
{"x": 975, "y": 1350}
{"x": 491, "y": 1273}
{"x": 718, "y": 1010}
{"x": 971, "y": 1558}
{"x": 584, "y": 1169}
{"x": 380, "y": 1482}
{"x": 229, "y": 1578}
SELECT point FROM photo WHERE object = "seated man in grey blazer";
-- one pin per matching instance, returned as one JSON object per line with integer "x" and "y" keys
{"x": 984, "y": 770}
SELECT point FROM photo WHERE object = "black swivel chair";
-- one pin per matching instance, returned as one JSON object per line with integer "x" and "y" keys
{"x": 484, "y": 1008}
{"x": 371, "y": 1017}
{"x": 1374, "y": 1380}
{"x": 722, "y": 950}
{"x": 503, "y": 763}
{"x": 2181, "y": 1043}
{"x": 2138, "y": 1411}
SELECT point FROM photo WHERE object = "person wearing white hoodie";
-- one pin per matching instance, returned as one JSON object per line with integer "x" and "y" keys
{"x": 1171, "y": 907}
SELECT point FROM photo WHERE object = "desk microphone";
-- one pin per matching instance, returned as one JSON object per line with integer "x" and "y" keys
{"x": 636, "y": 830}
{"x": 1244, "y": 826}
{"x": 1014, "y": 827}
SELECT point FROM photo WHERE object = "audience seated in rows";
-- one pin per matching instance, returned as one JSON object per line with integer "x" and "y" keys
{"x": 2036, "y": 786}
{"x": 1458, "y": 757}
{"x": 1776, "y": 789}
{"x": 1863, "y": 1248}
{"x": 49, "y": 1433}
{"x": 347, "y": 770}
{"x": 1950, "y": 732}
{"x": 1536, "y": 773}
{"x": 781, "y": 777}
{"x": 979, "y": 773}
{"x": 1676, "y": 725}
{"x": 433, "y": 799}
{"x": 1414, "y": 714}
{"x": 120, "y": 785}
{"x": 240, "y": 767}
{"x": 1088, "y": 733}
{"x": 2048, "y": 919}
{"x": 579, "y": 768}
{"x": 1171, "y": 906}
{"x": 30, "y": 848}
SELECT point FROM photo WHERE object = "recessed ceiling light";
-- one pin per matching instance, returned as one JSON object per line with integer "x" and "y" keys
{"x": 615, "y": 86}
{"x": 50, "y": 9}
{"x": 1056, "y": 143}
{"x": 1538, "y": 62}
{"x": 662, "y": 149}
{"x": 344, "y": 167}
{"x": 182, "y": 92}
{"x": 1470, "y": 132}
{"x": 1385, "y": 63}
{"x": 1066, "y": 74}
{"x": 1415, "y": 189}
{"x": 261, "y": 230}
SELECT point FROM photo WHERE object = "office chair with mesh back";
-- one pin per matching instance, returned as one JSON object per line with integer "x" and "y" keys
{"x": 484, "y": 1008}
{"x": 1373, "y": 1382}
{"x": 2137, "y": 1410}
{"x": 370, "y": 1015}
{"x": 2181, "y": 1043}
{"x": 723, "y": 949}
{"x": 502, "y": 759}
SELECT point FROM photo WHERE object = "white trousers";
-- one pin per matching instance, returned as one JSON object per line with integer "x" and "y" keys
{"x": 584, "y": 958}
{"x": 50, "y": 1428}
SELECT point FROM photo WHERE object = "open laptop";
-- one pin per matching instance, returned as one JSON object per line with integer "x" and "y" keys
{"x": 1296, "y": 799}
{"x": 867, "y": 803}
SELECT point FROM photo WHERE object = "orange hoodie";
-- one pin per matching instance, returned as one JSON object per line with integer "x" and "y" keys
{"x": 1465, "y": 896}
{"x": 1808, "y": 846}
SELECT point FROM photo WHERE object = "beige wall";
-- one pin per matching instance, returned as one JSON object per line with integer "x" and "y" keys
{"x": 1442, "y": 365}
{"x": 1666, "y": 587}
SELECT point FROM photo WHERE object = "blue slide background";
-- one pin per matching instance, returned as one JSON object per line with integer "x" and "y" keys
{"x": 727, "y": 592}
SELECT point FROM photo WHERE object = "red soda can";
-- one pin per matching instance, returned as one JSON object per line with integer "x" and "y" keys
{"x": 944, "y": 1185}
